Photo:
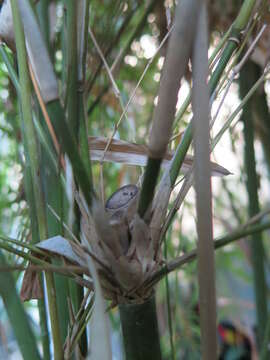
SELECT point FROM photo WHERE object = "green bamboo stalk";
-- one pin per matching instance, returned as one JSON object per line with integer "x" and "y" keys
{"x": 77, "y": 20}
{"x": 51, "y": 176}
{"x": 69, "y": 145}
{"x": 26, "y": 110}
{"x": 17, "y": 316}
{"x": 72, "y": 67}
{"x": 35, "y": 236}
{"x": 35, "y": 171}
{"x": 264, "y": 353}
{"x": 262, "y": 114}
{"x": 82, "y": 32}
{"x": 49, "y": 92}
{"x": 34, "y": 221}
{"x": 178, "y": 53}
{"x": 140, "y": 330}
{"x": 234, "y": 39}
{"x": 83, "y": 131}
{"x": 258, "y": 256}
{"x": 149, "y": 184}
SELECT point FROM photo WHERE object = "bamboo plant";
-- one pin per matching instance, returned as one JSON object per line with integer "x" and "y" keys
{"x": 112, "y": 252}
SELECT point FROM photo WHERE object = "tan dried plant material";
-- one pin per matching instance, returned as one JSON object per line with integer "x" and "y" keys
{"x": 124, "y": 242}
{"x": 31, "y": 288}
{"x": 128, "y": 153}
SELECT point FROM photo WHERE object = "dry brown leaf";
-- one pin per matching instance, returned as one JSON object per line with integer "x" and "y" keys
{"x": 105, "y": 232}
{"x": 141, "y": 241}
{"x": 128, "y": 272}
{"x": 135, "y": 154}
{"x": 31, "y": 288}
{"x": 122, "y": 230}
{"x": 160, "y": 209}
{"x": 88, "y": 228}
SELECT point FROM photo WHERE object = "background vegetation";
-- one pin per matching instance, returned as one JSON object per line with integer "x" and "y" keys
{"x": 102, "y": 94}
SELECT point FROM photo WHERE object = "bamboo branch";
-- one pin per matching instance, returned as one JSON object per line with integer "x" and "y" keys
{"x": 218, "y": 243}
{"x": 178, "y": 54}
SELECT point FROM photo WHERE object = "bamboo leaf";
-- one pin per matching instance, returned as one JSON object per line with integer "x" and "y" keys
{"x": 17, "y": 316}
{"x": 38, "y": 53}
{"x": 61, "y": 247}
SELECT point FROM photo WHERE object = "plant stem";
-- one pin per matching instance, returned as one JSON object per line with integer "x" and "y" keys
{"x": 150, "y": 180}
{"x": 35, "y": 171}
{"x": 178, "y": 54}
{"x": 17, "y": 317}
{"x": 235, "y": 36}
{"x": 258, "y": 256}
{"x": 140, "y": 330}
{"x": 169, "y": 310}
{"x": 202, "y": 177}
{"x": 218, "y": 243}
{"x": 262, "y": 115}
{"x": 77, "y": 20}
{"x": 69, "y": 145}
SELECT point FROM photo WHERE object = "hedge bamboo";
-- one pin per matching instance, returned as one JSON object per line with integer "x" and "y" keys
{"x": 140, "y": 330}
{"x": 178, "y": 54}
{"x": 245, "y": 81}
{"x": 234, "y": 39}
{"x": 77, "y": 18}
{"x": 18, "y": 318}
{"x": 33, "y": 157}
{"x": 51, "y": 174}
{"x": 202, "y": 177}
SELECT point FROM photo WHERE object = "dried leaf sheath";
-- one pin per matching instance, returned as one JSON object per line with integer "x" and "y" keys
{"x": 128, "y": 153}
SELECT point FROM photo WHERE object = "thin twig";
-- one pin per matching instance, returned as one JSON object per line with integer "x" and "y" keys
{"x": 144, "y": 72}
{"x": 115, "y": 87}
{"x": 67, "y": 228}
